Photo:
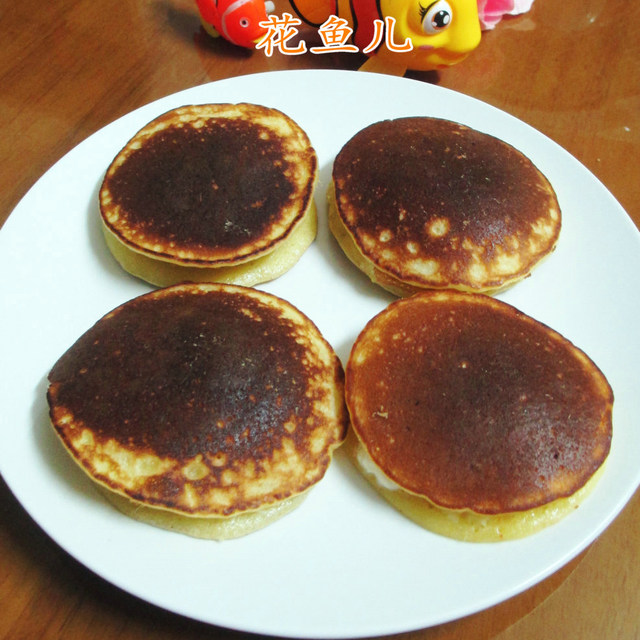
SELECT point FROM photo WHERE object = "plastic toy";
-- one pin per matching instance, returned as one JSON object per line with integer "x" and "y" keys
{"x": 491, "y": 12}
{"x": 237, "y": 21}
{"x": 441, "y": 33}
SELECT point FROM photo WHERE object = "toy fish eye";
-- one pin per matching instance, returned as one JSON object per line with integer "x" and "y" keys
{"x": 244, "y": 22}
{"x": 436, "y": 17}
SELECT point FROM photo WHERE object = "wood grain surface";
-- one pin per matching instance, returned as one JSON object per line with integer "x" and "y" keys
{"x": 570, "y": 69}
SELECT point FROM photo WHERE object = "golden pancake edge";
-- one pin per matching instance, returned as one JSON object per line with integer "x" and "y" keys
{"x": 474, "y": 419}
{"x": 425, "y": 203}
{"x": 207, "y": 408}
{"x": 211, "y": 192}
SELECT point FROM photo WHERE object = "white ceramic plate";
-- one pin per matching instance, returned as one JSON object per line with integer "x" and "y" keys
{"x": 344, "y": 564}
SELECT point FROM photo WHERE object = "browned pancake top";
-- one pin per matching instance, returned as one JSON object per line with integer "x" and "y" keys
{"x": 230, "y": 388}
{"x": 464, "y": 400}
{"x": 210, "y": 183}
{"x": 438, "y": 204}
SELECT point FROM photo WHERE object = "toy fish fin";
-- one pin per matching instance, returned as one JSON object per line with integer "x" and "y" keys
{"x": 210, "y": 29}
{"x": 314, "y": 12}
{"x": 376, "y": 65}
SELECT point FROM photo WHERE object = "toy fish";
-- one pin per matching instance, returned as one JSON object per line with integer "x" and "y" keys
{"x": 237, "y": 21}
{"x": 438, "y": 33}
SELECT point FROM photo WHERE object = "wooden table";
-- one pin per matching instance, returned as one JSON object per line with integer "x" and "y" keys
{"x": 571, "y": 69}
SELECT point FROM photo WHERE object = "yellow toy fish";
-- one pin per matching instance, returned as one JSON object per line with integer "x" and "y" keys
{"x": 420, "y": 34}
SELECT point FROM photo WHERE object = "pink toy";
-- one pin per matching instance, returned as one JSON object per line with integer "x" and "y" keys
{"x": 492, "y": 11}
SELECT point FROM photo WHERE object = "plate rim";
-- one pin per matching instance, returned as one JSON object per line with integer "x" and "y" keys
{"x": 156, "y": 104}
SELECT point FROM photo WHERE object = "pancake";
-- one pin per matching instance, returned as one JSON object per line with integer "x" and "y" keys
{"x": 423, "y": 203}
{"x": 211, "y": 193}
{"x": 474, "y": 419}
{"x": 209, "y": 409}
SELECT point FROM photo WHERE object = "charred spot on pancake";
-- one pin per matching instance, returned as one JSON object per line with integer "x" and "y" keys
{"x": 465, "y": 401}
{"x": 435, "y": 204}
{"x": 204, "y": 399}
{"x": 217, "y": 184}
{"x": 210, "y": 185}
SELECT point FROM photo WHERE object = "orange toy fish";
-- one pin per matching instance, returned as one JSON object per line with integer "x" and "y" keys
{"x": 429, "y": 34}
{"x": 237, "y": 21}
